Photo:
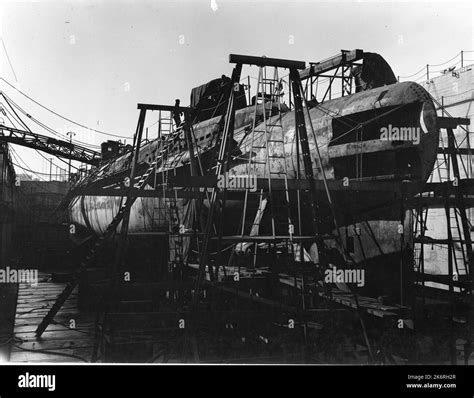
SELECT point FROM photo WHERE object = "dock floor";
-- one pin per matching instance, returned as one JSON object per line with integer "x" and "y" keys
{"x": 68, "y": 339}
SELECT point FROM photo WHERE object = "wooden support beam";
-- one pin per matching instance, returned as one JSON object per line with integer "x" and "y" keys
{"x": 429, "y": 241}
{"x": 270, "y": 238}
{"x": 452, "y": 122}
{"x": 457, "y": 151}
{"x": 264, "y": 61}
{"x": 445, "y": 279}
{"x": 210, "y": 181}
{"x": 437, "y": 202}
{"x": 316, "y": 69}
{"x": 169, "y": 108}
{"x": 383, "y": 184}
{"x": 466, "y": 183}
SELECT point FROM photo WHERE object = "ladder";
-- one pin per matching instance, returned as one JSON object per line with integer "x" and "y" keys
{"x": 462, "y": 224}
{"x": 165, "y": 124}
{"x": 268, "y": 140}
{"x": 176, "y": 244}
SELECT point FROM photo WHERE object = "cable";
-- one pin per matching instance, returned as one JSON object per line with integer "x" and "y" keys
{"x": 61, "y": 116}
{"x": 12, "y": 123}
{"x": 39, "y": 176}
{"x": 14, "y": 155}
{"x": 436, "y": 65}
{"x": 10, "y": 102}
{"x": 37, "y": 172}
{"x": 414, "y": 74}
{"x": 13, "y": 110}
{"x": 62, "y": 160}
{"x": 8, "y": 58}
{"x": 455, "y": 95}
{"x": 39, "y": 153}
{"x": 453, "y": 66}
{"x": 444, "y": 63}
{"x": 36, "y": 149}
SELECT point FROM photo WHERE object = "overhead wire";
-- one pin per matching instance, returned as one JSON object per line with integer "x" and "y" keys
{"x": 41, "y": 124}
{"x": 20, "y": 121}
{"x": 11, "y": 148}
{"x": 18, "y": 159}
{"x": 61, "y": 116}
{"x": 8, "y": 59}
{"x": 449, "y": 60}
{"x": 427, "y": 66}
{"x": 37, "y": 172}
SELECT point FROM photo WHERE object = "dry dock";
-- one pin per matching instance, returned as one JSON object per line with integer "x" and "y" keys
{"x": 68, "y": 339}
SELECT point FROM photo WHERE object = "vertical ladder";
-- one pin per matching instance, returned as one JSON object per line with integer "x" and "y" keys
{"x": 270, "y": 138}
{"x": 466, "y": 241}
{"x": 165, "y": 124}
{"x": 176, "y": 259}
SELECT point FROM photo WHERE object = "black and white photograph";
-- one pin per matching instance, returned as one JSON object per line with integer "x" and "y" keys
{"x": 219, "y": 182}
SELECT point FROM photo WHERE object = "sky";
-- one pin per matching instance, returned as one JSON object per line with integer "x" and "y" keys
{"x": 93, "y": 61}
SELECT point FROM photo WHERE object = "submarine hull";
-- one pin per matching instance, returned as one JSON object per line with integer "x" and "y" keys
{"x": 356, "y": 139}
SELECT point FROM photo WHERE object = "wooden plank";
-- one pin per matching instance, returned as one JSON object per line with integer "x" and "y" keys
{"x": 351, "y": 303}
{"x": 43, "y": 292}
{"x": 56, "y": 344}
{"x": 29, "y": 356}
{"x": 40, "y": 315}
{"x": 368, "y": 304}
{"x": 54, "y": 335}
{"x": 38, "y": 360}
{"x": 452, "y": 122}
{"x": 42, "y": 308}
{"x": 169, "y": 320}
{"x": 35, "y": 320}
{"x": 264, "y": 61}
{"x": 41, "y": 287}
{"x": 165, "y": 108}
{"x": 87, "y": 327}
{"x": 39, "y": 290}
{"x": 458, "y": 151}
{"x": 33, "y": 303}
{"x": 39, "y": 299}
{"x": 41, "y": 302}
{"x": 324, "y": 66}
